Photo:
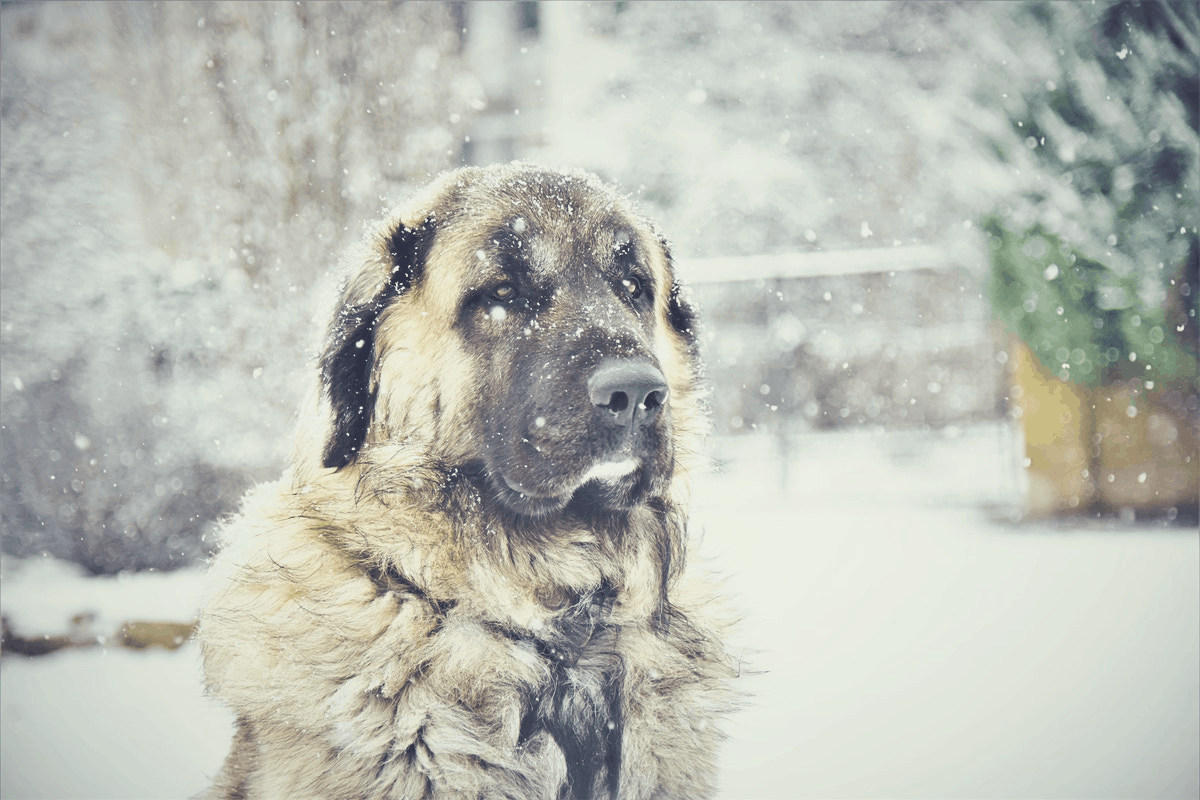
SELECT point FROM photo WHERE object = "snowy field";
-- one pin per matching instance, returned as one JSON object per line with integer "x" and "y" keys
{"x": 906, "y": 643}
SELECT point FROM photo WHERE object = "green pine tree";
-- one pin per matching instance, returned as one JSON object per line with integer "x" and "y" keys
{"x": 1095, "y": 264}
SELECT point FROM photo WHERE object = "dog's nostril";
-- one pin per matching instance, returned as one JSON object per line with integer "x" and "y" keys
{"x": 653, "y": 400}
{"x": 618, "y": 402}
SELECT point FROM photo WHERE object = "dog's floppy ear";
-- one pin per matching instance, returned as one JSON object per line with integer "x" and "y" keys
{"x": 680, "y": 312}
{"x": 348, "y": 357}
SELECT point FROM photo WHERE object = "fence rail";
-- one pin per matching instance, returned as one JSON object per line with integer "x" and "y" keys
{"x": 829, "y": 263}
{"x": 891, "y": 336}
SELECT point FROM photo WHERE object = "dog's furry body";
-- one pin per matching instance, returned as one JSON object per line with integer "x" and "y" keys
{"x": 470, "y": 582}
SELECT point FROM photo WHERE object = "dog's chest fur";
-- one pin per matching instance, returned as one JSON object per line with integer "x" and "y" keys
{"x": 485, "y": 692}
{"x": 581, "y": 707}
{"x": 577, "y": 699}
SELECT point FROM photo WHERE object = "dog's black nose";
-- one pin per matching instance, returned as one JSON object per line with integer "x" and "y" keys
{"x": 628, "y": 389}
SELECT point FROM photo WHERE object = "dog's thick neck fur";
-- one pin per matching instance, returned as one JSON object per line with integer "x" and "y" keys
{"x": 567, "y": 584}
{"x": 455, "y": 543}
{"x": 567, "y": 590}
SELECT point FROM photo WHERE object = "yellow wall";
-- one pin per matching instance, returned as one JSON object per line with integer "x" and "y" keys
{"x": 1114, "y": 446}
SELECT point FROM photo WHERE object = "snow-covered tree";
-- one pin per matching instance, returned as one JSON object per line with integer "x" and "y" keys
{"x": 1095, "y": 262}
{"x": 178, "y": 180}
{"x": 753, "y": 128}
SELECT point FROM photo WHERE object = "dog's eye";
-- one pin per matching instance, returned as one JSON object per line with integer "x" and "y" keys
{"x": 633, "y": 286}
{"x": 503, "y": 291}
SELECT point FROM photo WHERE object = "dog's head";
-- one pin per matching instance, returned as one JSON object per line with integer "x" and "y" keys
{"x": 523, "y": 325}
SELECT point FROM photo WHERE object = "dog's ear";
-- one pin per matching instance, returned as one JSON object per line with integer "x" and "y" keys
{"x": 348, "y": 358}
{"x": 680, "y": 311}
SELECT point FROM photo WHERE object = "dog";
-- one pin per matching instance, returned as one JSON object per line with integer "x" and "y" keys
{"x": 470, "y": 581}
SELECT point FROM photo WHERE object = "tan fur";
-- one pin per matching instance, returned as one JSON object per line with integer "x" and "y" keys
{"x": 375, "y": 629}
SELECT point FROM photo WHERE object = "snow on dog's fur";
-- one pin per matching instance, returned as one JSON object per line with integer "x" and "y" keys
{"x": 470, "y": 582}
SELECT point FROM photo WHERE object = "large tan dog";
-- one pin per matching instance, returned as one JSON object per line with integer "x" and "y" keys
{"x": 470, "y": 582}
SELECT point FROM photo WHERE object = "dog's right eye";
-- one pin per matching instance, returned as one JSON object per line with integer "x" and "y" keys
{"x": 503, "y": 291}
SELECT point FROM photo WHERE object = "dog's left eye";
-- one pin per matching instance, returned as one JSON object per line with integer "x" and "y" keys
{"x": 504, "y": 291}
{"x": 633, "y": 287}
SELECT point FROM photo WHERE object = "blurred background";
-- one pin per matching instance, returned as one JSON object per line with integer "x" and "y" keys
{"x": 947, "y": 259}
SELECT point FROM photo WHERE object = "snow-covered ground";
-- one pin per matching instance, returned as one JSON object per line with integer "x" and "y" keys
{"x": 906, "y": 644}
{"x": 913, "y": 647}
{"x": 104, "y": 722}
